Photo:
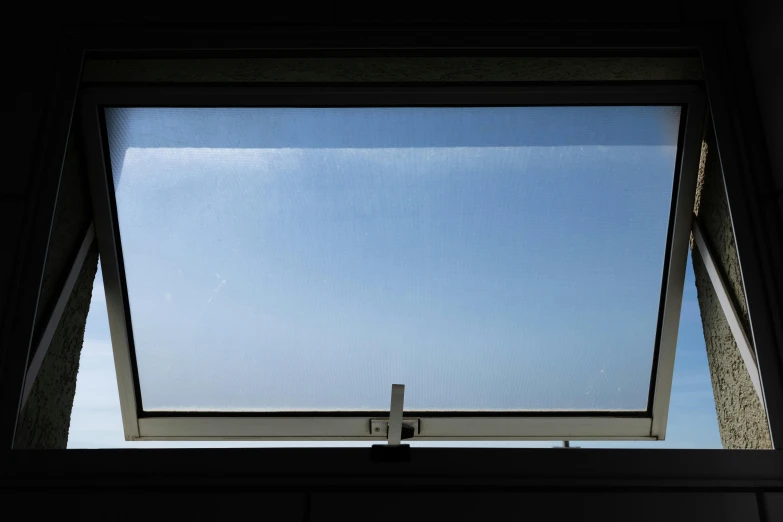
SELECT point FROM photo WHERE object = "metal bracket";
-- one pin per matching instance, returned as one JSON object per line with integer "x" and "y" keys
{"x": 726, "y": 303}
{"x": 380, "y": 427}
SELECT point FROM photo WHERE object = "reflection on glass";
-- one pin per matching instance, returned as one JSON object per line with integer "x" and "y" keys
{"x": 306, "y": 259}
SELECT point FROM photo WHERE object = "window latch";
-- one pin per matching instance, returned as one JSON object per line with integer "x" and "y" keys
{"x": 395, "y": 428}
{"x": 380, "y": 427}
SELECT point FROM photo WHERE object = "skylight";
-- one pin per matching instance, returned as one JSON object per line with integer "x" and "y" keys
{"x": 278, "y": 267}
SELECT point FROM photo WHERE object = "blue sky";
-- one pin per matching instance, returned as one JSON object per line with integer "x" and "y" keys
{"x": 493, "y": 258}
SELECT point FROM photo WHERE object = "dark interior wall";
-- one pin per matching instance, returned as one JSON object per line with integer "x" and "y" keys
{"x": 762, "y": 28}
{"x": 358, "y": 505}
{"x": 451, "y": 484}
{"x": 24, "y": 125}
{"x": 30, "y": 91}
{"x": 22, "y": 117}
{"x": 327, "y": 15}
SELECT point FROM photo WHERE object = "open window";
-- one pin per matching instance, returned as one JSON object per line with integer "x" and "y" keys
{"x": 276, "y": 258}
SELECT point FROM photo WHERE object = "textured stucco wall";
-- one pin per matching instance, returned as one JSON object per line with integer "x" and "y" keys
{"x": 45, "y": 417}
{"x": 741, "y": 418}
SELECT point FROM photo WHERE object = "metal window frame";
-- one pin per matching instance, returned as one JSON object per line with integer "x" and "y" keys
{"x": 727, "y": 305}
{"x": 647, "y": 425}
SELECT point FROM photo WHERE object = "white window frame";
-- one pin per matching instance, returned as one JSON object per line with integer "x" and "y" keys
{"x": 140, "y": 425}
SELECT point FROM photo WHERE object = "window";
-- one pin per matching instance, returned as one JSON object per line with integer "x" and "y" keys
{"x": 275, "y": 259}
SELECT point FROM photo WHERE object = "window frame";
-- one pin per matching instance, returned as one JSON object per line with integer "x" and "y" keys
{"x": 648, "y": 425}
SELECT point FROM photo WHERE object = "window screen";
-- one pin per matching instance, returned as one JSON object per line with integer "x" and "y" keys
{"x": 492, "y": 259}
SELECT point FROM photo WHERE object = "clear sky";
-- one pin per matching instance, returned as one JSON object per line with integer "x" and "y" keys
{"x": 493, "y": 258}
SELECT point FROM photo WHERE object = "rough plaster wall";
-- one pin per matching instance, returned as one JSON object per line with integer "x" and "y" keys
{"x": 432, "y": 69}
{"x": 45, "y": 418}
{"x": 741, "y": 418}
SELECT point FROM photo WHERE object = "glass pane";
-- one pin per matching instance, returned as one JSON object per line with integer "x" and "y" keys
{"x": 504, "y": 258}
{"x": 96, "y": 421}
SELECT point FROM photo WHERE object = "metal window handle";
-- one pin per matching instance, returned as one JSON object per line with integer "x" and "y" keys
{"x": 394, "y": 432}
{"x": 397, "y": 430}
